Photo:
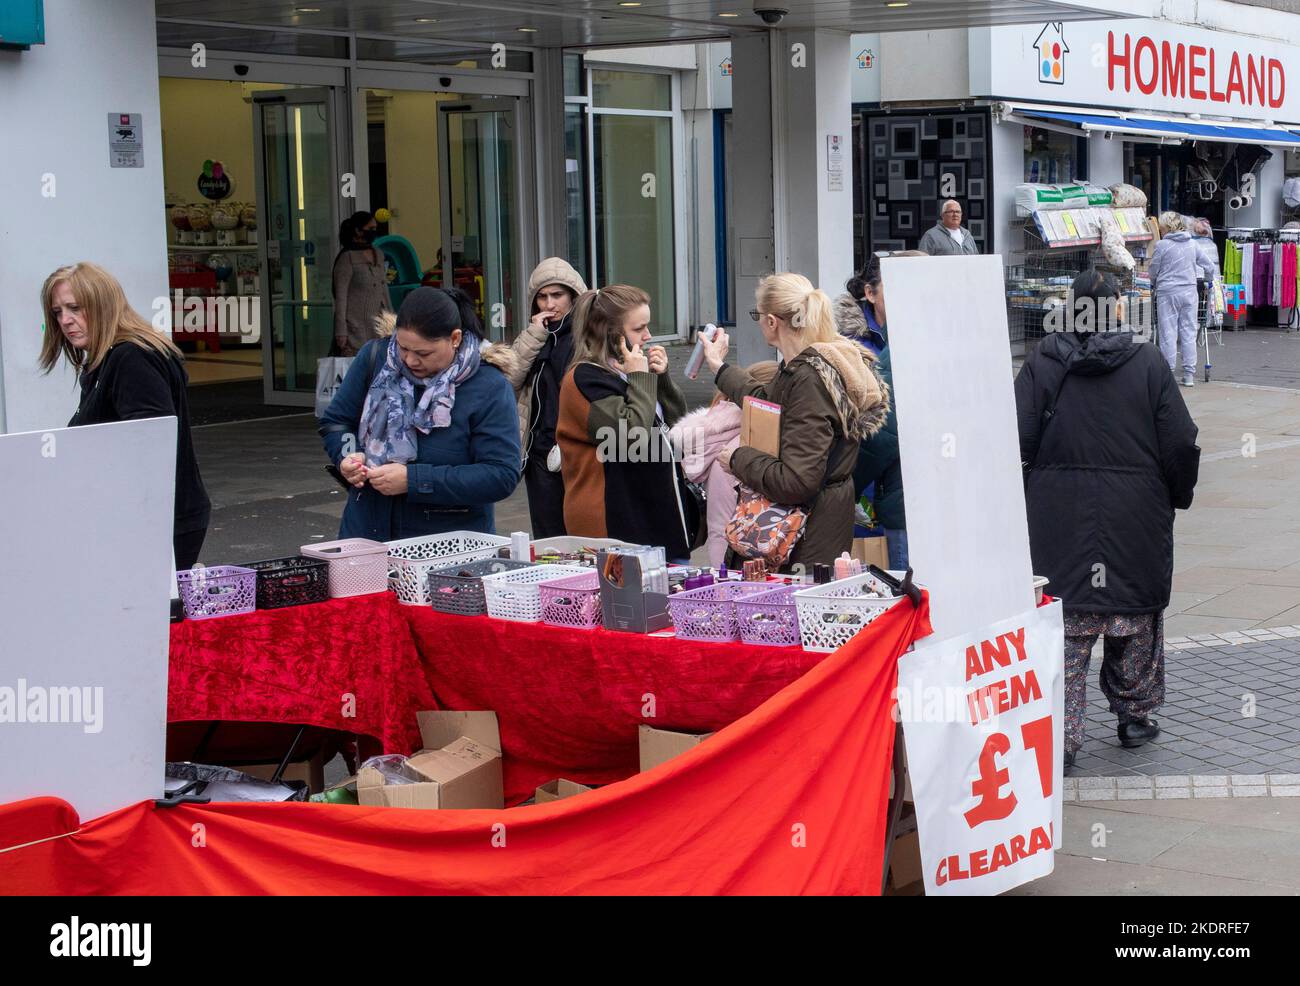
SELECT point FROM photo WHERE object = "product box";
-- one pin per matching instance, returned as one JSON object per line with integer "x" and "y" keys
{"x": 559, "y": 789}
{"x": 624, "y": 604}
{"x": 760, "y": 425}
{"x": 660, "y": 745}
{"x": 460, "y": 763}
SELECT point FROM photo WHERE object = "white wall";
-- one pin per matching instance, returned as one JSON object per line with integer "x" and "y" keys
{"x": 54, "y": 101}
{"x": 1105, "y": 161}
{"x": 924, "y": 65}
{"x": 1007, "y": 159}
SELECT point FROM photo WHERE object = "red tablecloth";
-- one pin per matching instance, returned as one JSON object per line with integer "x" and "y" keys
{"x": 569, "y": 701}
{"x": 345, "y": 664}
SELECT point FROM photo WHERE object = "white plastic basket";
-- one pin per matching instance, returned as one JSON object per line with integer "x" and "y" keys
{"x": 516, "y": 595}
{"x": 412, "y": 559}
{"x": 830, "y": 615}
{"x": 572, "y": 543}
{"x": 357, "y": 566}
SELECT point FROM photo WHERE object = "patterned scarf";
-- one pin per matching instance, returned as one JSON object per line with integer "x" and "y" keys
{"x": 391, "y": 415}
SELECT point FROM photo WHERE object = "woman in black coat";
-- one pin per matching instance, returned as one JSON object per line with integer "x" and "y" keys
{"x": 127, "y": 370}
{"x": 1109, "y": 452}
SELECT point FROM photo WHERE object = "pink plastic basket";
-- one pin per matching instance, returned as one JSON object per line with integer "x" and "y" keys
{"x": 770, "y": 618}
{"x": 709, "y": 612}
{"x": 357, "y": 566}
{"x": 572, "y": 602}
{"x": 218, "y": 590}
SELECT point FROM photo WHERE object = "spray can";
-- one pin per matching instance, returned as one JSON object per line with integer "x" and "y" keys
{"x": 693, "y": 365}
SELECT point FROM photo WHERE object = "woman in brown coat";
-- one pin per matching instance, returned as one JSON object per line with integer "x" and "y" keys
{"x": 831, "y": 398}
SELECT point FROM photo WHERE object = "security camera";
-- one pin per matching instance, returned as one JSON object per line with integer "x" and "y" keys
{"x": 241, "y": 69}
{"x": 444, "y": 81}
{"x": 771, "y": 15}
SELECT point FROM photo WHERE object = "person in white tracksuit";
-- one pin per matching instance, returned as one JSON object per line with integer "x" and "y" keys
{"x": 1175, "y": 266}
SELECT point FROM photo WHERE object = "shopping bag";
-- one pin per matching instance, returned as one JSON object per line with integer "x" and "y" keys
{"x": 330, "y": 372}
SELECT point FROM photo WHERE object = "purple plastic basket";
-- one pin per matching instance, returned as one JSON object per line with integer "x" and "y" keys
{"x": 709, "y": 612}
{"x": 218, "y": 590}
{"x": 573, "y": 601}
{"x": 770, "y": 618}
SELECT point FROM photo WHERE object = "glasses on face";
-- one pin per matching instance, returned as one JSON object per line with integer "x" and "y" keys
{"x": 755, "y": 314}
{"x": 953, "y": 212}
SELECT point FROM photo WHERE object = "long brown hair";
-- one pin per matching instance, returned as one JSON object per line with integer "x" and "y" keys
{"x": 598, "y": 318}
{"x": 110, "y": 319}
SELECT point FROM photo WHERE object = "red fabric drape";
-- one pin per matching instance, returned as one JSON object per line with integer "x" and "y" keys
{"x": 569, "y": 701}
{"x": 789, "y": 799}
{"x": 299, "y": 665}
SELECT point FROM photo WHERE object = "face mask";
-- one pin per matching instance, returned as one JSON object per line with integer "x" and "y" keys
{"x": 368, "y": 235}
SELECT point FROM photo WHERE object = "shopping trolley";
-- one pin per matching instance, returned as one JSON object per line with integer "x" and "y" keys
{"x": 1210, "y": 307}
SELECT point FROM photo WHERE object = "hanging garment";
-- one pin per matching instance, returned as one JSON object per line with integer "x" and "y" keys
{"x": 1248, "y": 271}
{"x": 1287, "y": 275}
{"x": 1275, "y": 290}
{"x": 1263, "y": 275}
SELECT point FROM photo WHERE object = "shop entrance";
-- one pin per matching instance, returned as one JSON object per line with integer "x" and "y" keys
{"x": 445, "y": 181}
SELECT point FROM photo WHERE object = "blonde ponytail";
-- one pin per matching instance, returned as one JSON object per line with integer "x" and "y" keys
{"x": 808, "y": 309}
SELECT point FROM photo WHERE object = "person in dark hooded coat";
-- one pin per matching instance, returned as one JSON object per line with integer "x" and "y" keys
{"x": 1110, "y": 452}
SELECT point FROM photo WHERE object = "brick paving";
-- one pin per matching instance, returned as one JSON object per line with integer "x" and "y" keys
{"x": 1230, "y": 709}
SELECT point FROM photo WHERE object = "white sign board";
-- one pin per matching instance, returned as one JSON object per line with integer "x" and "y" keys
{"x": 125, "y": 141}
{"x": 951, "y": 356}
{"x": 1145, "y": 65}
{"x": 983, "y": 715}
{"x": 84, "y": 594}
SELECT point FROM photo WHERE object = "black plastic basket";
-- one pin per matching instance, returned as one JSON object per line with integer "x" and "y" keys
{"x": 459, "y": 588}
{"x": 292, "y": 581}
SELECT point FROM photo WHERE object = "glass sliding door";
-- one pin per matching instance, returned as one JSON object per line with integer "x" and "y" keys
{"x": 298, "y": 202}
{"x": 476, "y": 141}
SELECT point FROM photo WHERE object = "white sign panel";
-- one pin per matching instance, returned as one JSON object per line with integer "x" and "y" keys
{"x": 125, "y": 141}
{"x": 1146, "y": 65}
{"x": 84, "y": 594}
{"x": 960, "y": 449}
{"x": 983, "y": 715}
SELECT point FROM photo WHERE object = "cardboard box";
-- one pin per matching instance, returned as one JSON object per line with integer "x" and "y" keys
{"x": 559, "y": 789}
{"x": 310, "y": 772}
{"x": 760, "y": 425}
{"x": 871, "y": 551}
{"x": 905, "y": 861}
{"x": 460, "y": 764}
{"x": 660, "y": 745}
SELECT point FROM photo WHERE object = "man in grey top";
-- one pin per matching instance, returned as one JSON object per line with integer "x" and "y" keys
{"x": 949, "y": 238}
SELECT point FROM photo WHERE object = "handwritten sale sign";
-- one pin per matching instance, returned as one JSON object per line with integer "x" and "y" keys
{"x": 983, "y": 716}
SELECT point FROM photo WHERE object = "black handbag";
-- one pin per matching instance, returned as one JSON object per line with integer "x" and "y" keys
{"x": 694, "y": 512}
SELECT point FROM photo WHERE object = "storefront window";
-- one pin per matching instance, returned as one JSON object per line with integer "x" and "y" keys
{"x": 634, "y": 228}
{"x": 631, "y": 90}
{"x": 575, "y": 79}
{"x": 575, "y": 189}
{"x": 1052, "y": 157}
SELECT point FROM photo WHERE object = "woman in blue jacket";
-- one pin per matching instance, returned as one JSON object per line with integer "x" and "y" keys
{"x": 424, "y": 425}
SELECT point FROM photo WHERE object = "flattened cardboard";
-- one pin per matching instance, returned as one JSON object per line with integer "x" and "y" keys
{"x": 660, "y": 745}
{"x": 760, "y": 425}
{"x": 871, "y": 551}
{"x": 559, "y": 789}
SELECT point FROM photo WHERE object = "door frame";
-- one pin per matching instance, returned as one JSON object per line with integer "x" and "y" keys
{"x": 467, "y": 86}
{"x": 331, "y": 97}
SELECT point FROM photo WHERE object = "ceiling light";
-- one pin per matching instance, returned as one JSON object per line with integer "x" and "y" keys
{"x": 728, "y": 15}
{"x": 629, "y": 3}
{"x": 897, "y": 3}
{"x": 426, "y": 20}
{"x": 529, "y": 30}
{"x": 306, "y": 10}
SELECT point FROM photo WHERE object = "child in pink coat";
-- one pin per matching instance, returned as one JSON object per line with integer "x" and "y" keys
{"x": 698, "y": 438}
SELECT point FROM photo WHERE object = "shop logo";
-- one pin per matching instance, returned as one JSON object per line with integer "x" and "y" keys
{"x": 725, "y": 68}
{"x": 213, "y": 182}
{"x": 1052, "y": 49}
{"x": 866, "y": 58}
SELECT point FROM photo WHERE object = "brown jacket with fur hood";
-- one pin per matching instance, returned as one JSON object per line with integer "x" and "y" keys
{"x": 831, "y": 398}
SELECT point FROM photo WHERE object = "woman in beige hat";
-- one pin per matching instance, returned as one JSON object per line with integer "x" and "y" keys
{"x": 544, "y": 349}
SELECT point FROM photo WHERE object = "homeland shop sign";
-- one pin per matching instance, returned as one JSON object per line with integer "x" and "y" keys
{"x": 1142, "y": 65}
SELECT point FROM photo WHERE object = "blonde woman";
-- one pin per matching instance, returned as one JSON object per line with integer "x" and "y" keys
{"x": 127, "y": 370}
{"x": 831, "y": 398}
{"x": 1176, "y": 263}
{"x": 616, "y": 403}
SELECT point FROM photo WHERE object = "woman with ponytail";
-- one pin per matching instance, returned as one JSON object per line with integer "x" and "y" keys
{"x": 424, "y": 425}
{"x": 831, "y": 398}
{"x": 621, "y": 479}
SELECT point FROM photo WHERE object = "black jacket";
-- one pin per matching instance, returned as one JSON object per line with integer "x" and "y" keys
{"x": 1110, "y": 452}
{"x": 134, "y": 382}
{"x": 879, "y": 462}
{"x": 546, "y": 376}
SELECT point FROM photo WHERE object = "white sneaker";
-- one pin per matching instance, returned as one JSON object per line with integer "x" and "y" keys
{"x": 1189, "y": 379}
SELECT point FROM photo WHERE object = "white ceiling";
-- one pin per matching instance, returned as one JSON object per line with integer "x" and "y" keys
{"x": 581, "y": 23}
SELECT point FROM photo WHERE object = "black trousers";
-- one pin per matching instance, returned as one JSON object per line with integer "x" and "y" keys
{"x": 186, "y": 548}
{"x": 545, "y": 497}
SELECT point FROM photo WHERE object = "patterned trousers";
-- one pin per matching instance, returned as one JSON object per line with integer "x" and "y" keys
{"x": 1132, "y": 670}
